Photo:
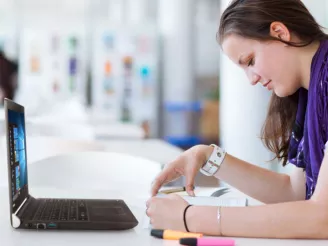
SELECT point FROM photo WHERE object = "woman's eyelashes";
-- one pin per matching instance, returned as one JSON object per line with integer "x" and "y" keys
{"x": 250, "y": 62}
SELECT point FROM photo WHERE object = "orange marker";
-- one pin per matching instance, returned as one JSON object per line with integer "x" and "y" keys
{"x": 173, "y": 235}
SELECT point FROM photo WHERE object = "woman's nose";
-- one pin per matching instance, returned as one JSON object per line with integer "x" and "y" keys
{"x": 255, "y": 79}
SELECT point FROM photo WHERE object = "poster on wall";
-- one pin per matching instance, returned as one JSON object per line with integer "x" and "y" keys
{"x": 52, "y": 65}
{"x": 124, "y": 73}
{"x": 105, "y": 70}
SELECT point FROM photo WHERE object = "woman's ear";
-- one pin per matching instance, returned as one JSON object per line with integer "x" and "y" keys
{"x": 280, "y": 31}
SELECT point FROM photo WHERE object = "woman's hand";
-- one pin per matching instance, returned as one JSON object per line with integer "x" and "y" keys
{"x": 187, "y": 164}
{"x": 166, "y": 212}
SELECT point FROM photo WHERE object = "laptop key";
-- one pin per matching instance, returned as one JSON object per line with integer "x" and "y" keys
{"x": 82, "y": 211}
{"x": 73, "y": 210}
{"x": 63, "y": 210}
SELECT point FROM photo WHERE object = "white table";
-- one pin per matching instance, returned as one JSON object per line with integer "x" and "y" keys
{"x": 39, "y": 148}
{"x": 87, "y": 189}
{"x": 153, "y": 149}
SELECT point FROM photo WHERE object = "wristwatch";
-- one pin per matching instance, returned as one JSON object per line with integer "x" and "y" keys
{"x": 212, "y": 165}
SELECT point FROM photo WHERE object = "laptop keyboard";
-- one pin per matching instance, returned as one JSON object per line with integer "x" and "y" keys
{"x": 61, "y": 210}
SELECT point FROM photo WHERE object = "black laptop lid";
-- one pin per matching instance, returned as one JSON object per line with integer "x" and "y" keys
{"x": 16, "y": 154}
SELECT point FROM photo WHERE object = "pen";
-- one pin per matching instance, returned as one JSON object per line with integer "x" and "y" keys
{"x": 173, "y": 235}
{"x": 173, "y": 190}
{"x": 207, "y": 242}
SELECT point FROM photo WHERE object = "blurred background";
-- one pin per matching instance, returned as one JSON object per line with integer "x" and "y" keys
{"x": 99, "y": 70}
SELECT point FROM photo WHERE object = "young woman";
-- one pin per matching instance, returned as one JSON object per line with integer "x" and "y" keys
{"x": 279, "y": 45}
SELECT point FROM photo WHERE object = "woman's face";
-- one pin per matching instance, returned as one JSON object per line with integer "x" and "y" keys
{"x": 270, "y": 63}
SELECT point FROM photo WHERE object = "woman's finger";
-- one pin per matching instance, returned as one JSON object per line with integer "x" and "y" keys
{"x": 166, "y": 176}
{"x": 190, "y": 180}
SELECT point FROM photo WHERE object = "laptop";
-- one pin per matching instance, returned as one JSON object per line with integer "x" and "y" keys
{"x": 28, "y": 212}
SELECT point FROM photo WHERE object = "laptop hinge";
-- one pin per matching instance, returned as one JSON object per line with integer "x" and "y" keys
{"x": 15, "y": 220}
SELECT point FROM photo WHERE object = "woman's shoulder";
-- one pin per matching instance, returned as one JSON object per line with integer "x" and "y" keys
{"x": 318, "y": 91}
{"x": 319, "y": 66}
{"x": 319, "y": 73}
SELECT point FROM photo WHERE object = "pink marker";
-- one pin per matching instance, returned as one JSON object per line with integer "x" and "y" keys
{"x": 206, "y": 242}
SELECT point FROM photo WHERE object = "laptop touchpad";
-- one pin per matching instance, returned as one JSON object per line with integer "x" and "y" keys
{"x": 105, "y": 213}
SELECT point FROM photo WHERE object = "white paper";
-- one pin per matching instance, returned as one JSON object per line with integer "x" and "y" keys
{"x": 216, "y": 201}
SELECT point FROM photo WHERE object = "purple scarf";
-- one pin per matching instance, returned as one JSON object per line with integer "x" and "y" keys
{"x": 310, "y": 132}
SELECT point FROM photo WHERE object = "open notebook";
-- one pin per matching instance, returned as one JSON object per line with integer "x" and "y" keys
{"x": 216, "y": 201}
{"x": 209, "y": 197}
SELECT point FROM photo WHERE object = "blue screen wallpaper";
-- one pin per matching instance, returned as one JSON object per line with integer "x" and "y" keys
{"x": 17, "y": 152}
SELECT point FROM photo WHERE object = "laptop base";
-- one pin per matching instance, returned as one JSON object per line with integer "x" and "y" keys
{"x": 73, "y": 214}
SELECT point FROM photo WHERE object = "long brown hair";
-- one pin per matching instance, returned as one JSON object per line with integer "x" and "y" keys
{"x": 252, "y": 19}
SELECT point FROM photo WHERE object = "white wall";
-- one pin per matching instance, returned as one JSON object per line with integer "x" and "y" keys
{"x": 49, "y": 13}
{"x": 8, "y": 28}
{"x": 318, "y": 9}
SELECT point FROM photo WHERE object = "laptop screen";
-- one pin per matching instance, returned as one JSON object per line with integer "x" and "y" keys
{"x": 17, "y": 157}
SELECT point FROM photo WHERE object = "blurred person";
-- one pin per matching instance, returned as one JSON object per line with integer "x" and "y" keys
{"x": 8, "y": 78}
{"x": 280, "y": 46}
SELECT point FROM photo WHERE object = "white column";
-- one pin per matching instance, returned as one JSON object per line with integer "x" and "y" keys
{"x": 242, "y": 112}
{"x": 176, "y": 27}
